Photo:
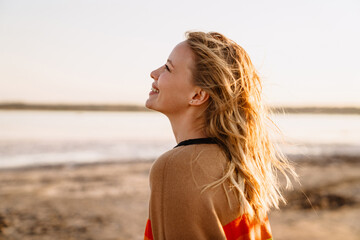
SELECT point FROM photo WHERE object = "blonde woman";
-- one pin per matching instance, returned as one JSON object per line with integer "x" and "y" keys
{"x": 219, "y": 181}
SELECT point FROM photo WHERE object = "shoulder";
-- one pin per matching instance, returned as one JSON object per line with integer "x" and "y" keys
{"x": 192, "y": 165}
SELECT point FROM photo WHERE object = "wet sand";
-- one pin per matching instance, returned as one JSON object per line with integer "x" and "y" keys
{"x": 109, "y": 201}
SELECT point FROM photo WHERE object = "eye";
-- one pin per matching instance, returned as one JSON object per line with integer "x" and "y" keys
{"x": 167, "y": 68}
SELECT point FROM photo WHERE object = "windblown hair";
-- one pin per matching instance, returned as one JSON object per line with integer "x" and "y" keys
{"x": 236, "y": 118}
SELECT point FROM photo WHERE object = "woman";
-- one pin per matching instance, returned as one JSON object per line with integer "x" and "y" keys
{"x": 220, "y": 180}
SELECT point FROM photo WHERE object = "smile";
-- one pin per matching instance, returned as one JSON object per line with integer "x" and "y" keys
{"x": 155, "y": 90}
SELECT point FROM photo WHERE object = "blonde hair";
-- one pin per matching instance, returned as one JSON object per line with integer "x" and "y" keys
{"x": 236, "y": 118}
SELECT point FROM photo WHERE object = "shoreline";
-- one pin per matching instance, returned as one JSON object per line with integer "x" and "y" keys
{"x": 318, "y": 160}
{"x": 65, "y": 165}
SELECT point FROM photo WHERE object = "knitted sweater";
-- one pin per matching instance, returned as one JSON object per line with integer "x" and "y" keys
{"x": 178, "y": 208}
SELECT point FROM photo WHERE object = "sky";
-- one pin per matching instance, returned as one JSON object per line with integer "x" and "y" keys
{"x": 73, "y": 51}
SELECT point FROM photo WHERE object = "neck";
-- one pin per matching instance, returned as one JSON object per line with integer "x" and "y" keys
{"x": 187, "y": 127}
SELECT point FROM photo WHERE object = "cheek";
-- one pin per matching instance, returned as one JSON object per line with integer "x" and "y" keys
{"x": 174, "y": 90}
{"x": 172, "y": 94}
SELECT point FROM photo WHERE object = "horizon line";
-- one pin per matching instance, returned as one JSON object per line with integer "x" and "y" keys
{"x": 139, "y": 108}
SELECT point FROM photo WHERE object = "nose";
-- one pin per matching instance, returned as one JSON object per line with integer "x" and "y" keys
{"x": 155, "y": 74}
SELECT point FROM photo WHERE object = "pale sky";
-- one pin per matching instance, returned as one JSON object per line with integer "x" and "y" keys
{"x": 70, "y": 51}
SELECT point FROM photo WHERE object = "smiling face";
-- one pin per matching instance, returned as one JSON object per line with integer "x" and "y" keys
{"x": 173, "y": 87}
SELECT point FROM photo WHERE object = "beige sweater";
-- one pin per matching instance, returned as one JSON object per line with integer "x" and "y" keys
{"x": 179, "y": 209}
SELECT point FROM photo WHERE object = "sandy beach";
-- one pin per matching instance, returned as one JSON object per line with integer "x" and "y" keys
{"x": 109, "y": 201}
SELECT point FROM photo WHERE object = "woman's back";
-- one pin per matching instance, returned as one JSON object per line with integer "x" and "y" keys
{"x": 180, "y": 209}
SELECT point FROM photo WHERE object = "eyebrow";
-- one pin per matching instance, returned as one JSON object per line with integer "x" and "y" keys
{"x": 169, "y": 61}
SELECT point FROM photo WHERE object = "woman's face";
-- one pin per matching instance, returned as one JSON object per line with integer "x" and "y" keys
{"x": 173, "y": 87}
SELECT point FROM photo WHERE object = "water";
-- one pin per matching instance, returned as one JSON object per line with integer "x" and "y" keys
{"x": 51, "y": 137}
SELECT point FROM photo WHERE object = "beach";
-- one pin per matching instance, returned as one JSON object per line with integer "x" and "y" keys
{"x": 109, "y": 201}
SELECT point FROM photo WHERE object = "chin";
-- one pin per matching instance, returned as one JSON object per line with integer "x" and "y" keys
{"x": 152, "y": 106}
{"x": 149, "y": 105}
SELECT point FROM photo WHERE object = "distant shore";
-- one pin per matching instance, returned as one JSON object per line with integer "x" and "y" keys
{"x": 138, "y": 108}
{"x": 73, "y": 107}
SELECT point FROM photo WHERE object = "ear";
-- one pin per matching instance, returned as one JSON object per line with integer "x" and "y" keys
{"x": 199, "y": 98}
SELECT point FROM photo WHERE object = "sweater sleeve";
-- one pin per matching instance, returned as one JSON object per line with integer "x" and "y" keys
{"x": 178, "y": 207}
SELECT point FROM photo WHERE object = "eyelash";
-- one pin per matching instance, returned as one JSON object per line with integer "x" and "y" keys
{"x": 167, "y": 68}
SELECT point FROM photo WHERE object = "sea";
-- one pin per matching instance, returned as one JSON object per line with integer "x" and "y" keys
{"x": 43, "y": 138}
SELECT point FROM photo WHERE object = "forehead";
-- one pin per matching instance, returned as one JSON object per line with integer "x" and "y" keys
{"x": 182, "y": 56}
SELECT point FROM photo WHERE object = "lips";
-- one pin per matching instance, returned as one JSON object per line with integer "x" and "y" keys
{"x": 154, "y": 88}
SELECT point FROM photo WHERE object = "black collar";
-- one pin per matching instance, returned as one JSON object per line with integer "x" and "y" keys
{"x": 196, "y": 141}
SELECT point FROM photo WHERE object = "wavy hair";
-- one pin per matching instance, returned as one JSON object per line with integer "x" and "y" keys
{"x": 237, "y": 118}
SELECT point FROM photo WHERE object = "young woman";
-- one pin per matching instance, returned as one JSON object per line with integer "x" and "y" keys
{"x": 219, "y": 181}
